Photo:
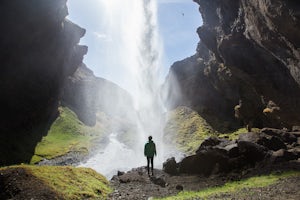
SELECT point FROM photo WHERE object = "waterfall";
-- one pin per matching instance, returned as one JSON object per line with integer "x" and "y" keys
{"x": 134, "y": 45}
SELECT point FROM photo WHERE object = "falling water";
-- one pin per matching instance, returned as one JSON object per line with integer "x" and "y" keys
{"x": 132, "y": 28}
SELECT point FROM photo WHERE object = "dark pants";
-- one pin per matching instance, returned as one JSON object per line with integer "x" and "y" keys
{"x": 150, "y": 159}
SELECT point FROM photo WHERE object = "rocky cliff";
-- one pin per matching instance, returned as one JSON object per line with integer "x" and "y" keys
{"x": 247, "y": 61}
{"x": 87, "y": 95}
{"x": 39, "y": 49}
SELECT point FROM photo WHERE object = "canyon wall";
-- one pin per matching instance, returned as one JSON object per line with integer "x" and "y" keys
{"x": 247, "y": 64}
{"x": 39, "y": 50}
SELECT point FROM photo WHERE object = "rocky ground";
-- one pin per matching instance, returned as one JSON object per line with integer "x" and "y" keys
{"x": 136, "y": 184}
{"x": 18, "y": 184}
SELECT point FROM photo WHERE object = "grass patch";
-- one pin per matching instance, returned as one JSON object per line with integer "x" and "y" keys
{"x": 70, "y": 182}
{"x": 66, "y": 134}
{"x": 188, "y": 128}
{"x": 232, "y": 187}
{"x": 234, "y": 135}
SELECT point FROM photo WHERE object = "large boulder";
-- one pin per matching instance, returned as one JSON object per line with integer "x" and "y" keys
{"x": 205, "y": 162}
{"x": 271, "y": 142}
{"x": 284, "y": 135}
{"x": 252, "y": 152}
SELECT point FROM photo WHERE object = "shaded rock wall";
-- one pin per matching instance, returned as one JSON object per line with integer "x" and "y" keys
{"x": 39, "y": 49}
{"x": 249, "y": 51}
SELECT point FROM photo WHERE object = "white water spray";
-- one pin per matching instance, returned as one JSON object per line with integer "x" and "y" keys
{"x": 134, "y": 44}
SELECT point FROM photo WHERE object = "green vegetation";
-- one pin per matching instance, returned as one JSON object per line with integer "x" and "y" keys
{"x": 232, "y": 187}
{"x": 67, "y": 134}
{"x": 234, "y": 135}
{"x": 188, "y": 128}
{"x": 70, "y": 182}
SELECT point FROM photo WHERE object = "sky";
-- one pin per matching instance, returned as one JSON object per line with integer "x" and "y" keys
{"x": 178, "y": 21}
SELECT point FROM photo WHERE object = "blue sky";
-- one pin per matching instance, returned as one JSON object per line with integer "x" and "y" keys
{"x": 177, "y": 22}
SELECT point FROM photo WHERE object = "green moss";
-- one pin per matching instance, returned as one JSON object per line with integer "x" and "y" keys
{"x": 70, "y": 182}
{"x": 232, "y": 187}
{"x": 234, "y": 135}
{"x": 66, "y": 134}
{"x": 187, "y": 129}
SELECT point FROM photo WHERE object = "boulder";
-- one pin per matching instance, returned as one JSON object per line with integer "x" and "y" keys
{"x": 205, "y": 162}
{"x": 158, "y": 181}
{"x": 252, "y": 152}
{"x": 170, "y": 166}
{"x": 212, "y": 142}
{"x": 179, "y": 187}
{"x": 272, "y": 143}
{"x": 232, "y": 150}
{"x": 296, "y": 128}
{"x": 249, "y": 137}
{"x": 283, "y": 155}
{"x": 287, "y": 137}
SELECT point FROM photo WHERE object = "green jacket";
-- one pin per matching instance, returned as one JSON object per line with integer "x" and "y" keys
{"x": 150, "y": 149}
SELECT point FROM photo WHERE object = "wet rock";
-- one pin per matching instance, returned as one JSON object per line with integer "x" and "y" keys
{"x": 249, "y": 137}
{"x": 284, "y": 155}
{"x": 272, "y": 143}
{"x": 205, "y": 161}
{"x": 232, "y": 150}
{"x": 131, "y": 177}
{"x": 170, "y": 166}
{"x": 252, "y": 152}
{"x": 211, "y": 141}
{"x": 296, "y": 128}
{"x": 287, "y": 137}
{"x": 120, "y": 173}
{"x": 158, "y": 181}
{"x": 179, "y": 187}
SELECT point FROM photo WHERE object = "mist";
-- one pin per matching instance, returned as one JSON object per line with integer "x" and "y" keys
{"x": 132, "y": 34}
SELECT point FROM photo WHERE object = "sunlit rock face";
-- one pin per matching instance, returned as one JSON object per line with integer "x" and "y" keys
{"x": 38, "y": 51}
{"x": 87, "y": 95}
{"x": 249, "y": 51}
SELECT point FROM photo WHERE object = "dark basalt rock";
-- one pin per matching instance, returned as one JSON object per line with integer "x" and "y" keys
{"x": 205, "y": 162}
{"x": 250, "y": 151}
{"x": 170, "y": 166}
{"x": 249, "y": 51}
{"x": 38, "y": 51}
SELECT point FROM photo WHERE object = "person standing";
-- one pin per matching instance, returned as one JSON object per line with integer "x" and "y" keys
{"x": 150, "y": 152}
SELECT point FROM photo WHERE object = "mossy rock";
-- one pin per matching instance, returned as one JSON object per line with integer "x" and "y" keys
{"x": 186, "y": 129}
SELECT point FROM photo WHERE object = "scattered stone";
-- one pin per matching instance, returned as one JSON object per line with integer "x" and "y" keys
{"x": 158, "y": 181}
